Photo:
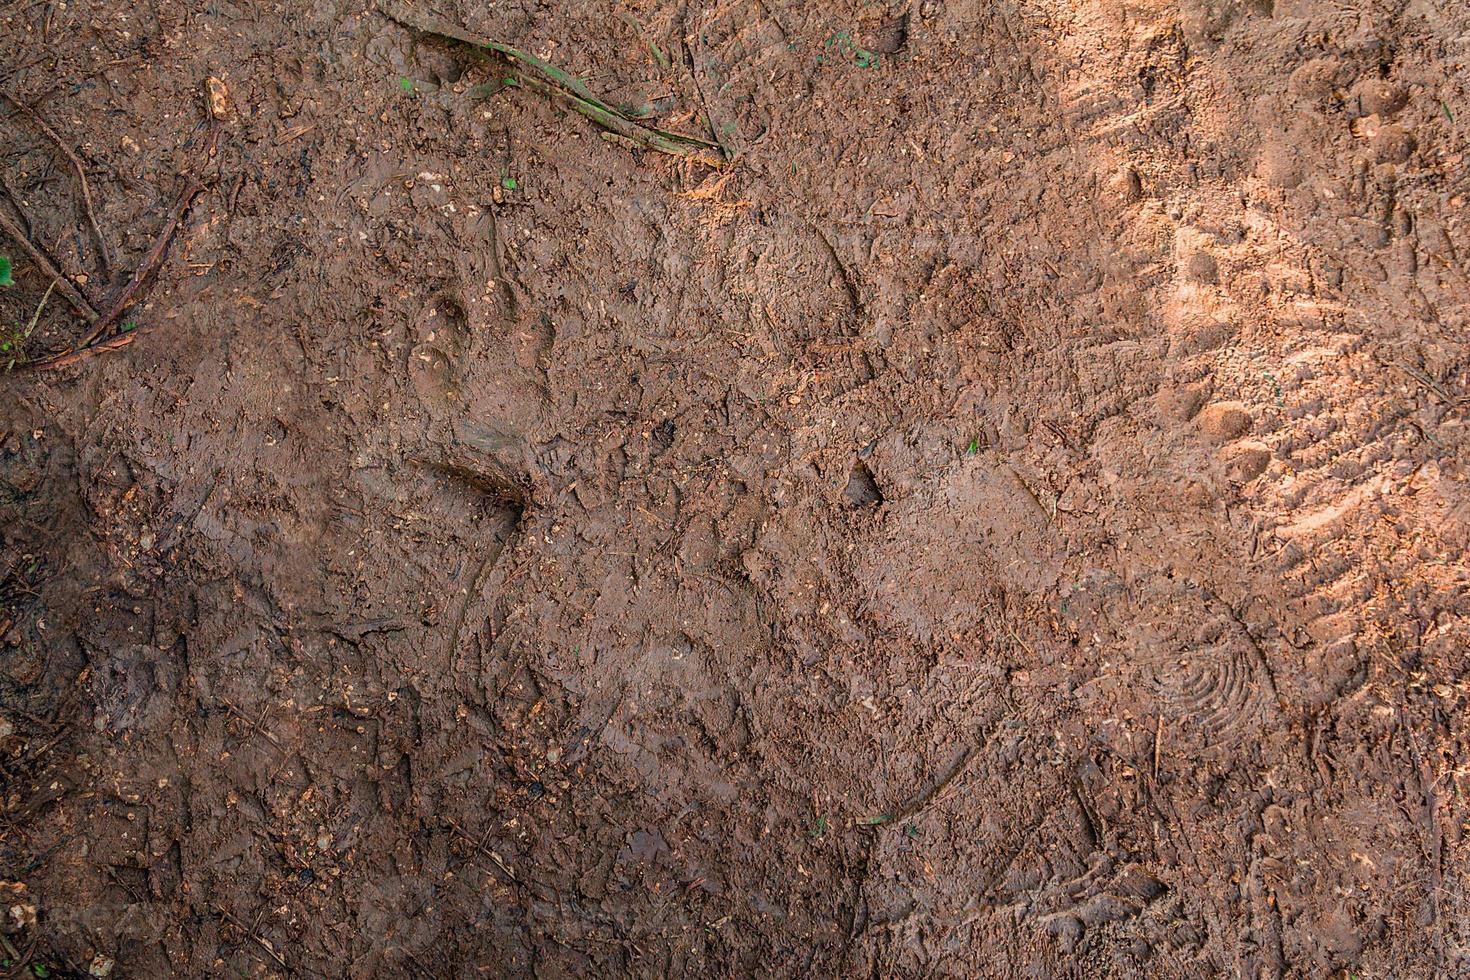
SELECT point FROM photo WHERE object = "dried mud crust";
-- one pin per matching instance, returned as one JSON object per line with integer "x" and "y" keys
{"x": 1013, "y": 522}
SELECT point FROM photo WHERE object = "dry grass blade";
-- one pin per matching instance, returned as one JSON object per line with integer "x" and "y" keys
{"x": 562, "y": 85}
{"x": 611, "y": 121}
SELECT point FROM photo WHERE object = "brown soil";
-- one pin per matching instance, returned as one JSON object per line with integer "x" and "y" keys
{"x": 1012, "y": 522}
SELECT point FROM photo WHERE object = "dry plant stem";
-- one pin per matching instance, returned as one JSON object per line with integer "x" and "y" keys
{"x": 82, "y": 353}
{"x": 68, "y": 291}
{"x": 102, "y": 248}
{"x": 637, "y": 135}
{"x": 562, "y": 85}
{"x": 148, "y": 266}
{"x": 90, "y": 346}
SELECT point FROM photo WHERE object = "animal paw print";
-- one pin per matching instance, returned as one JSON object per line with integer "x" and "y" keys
{"x": 435, "y": 363}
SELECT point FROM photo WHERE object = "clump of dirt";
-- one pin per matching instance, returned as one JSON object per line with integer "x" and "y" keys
{"x": 1011, "y": 518}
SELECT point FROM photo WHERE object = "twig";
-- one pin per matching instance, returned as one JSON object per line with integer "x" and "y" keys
{"x": 255, "y": 725}
{"x": 1429, "y": 383}
{"x": 709, "y": 116}
{"x": 608, "y": 119}
{"x": 958, "y": 768}
{"x": 148, "y": 266}
{"x": 251, "y": 935}
{"x": 1030, "y": 493}
{"x": 82, "y": 353}
{"x": 561, "y": 84}
{"x": 480, "y": 846}
{"x": 103, "y": 251}
{"x": 32, "y": 755}
{"x": 31, "y": 326}
{"x": 18, "y": 961}
{"x": 64, "y": 286}
{"x": 1017, "y": 637}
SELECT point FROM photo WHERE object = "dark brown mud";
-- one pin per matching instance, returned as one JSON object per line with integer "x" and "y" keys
{"x": 1012, "y": 522}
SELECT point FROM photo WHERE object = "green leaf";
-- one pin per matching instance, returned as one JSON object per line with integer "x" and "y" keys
{"x": 509, "y": 183}
{"x": 5, "y": 279}
{"x": 873, "y": 821}
{"x": 406, "y": 84}
{"x": 40, "y": 970}
{"x": 974, "y": 447}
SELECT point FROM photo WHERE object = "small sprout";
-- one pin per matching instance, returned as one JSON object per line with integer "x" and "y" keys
{"x": 130, "y": 326}
{"x": 1276, "y": 387}
{"x": 818, "y": 828}
{"x": 1447, "y": 113}
{"x": 846, "y": 46}
{"x": 973, "y": 447}
{"x": 406, "y": 84}
{"x": 509, "y": 183}
{"x": 41, "y": 970}
{"x": 873, "y": 821}
{"x": 911, "y": 831}
{"x": 16, "y": 336}
{"x": 5, "y": 277}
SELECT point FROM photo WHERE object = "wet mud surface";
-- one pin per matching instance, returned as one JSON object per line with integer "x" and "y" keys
{"x": 1010, "y": 523}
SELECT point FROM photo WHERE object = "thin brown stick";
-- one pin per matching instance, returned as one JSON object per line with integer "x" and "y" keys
{"x": 81, "y": 353}
{"x": 254, "y": 725}
{"x": 254, "y": 937}
{"x": 148, "y": 266}
{"x": 103, "y": 251}
{"x": 63, "y": 284}
{"x": 479, "y": 845}
{"x": 562, "y": 85}
{"x": 1158, "y": 745}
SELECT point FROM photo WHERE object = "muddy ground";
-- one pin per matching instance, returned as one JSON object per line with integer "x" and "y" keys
{"x": 1011, "y": 522}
